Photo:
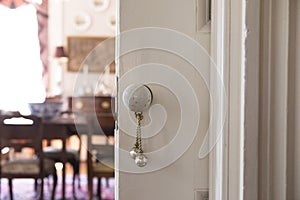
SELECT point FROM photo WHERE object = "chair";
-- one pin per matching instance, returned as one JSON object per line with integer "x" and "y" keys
{"x": 72, "y": 155}
{"x": 100, "y": 157}
{"x": 56, "y": 154}
{"x": 18, "y": 132}
{"x": 97, "y": 111}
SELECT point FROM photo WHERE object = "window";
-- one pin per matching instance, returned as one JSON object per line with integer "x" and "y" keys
{"x": 21, "y": 68}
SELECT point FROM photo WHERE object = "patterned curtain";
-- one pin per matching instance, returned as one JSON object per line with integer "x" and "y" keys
{"x": 42, "y": 14}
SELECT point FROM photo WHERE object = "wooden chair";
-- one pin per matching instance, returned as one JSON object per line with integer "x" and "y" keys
{"x": 18, "y": 132}
{"x": 73, "y": 157}
{"x": 100, "y": 165}
{"x": 100, "y": 157}
{"x": 98, "y": 112}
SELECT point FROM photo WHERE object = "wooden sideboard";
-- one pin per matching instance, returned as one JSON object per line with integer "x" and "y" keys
{"x": 101, "y": 106}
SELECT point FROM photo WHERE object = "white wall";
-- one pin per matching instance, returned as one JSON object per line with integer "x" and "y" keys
{"x": 279, "y": 101}
{"x": 294, "y": 141}
{"x": 61, "y": 25}
{"x": 178, "y": 180}
{"x": 297, "y": 109}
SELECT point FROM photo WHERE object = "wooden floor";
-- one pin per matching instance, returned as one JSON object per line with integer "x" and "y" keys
{"x": 27, "y": 193}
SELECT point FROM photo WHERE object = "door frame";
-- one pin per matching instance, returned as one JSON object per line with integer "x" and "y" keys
{"x": 253, "y": 159}
{"x": 234, "y": 161}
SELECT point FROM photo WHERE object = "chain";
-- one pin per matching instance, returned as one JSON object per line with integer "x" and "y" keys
{"x": 137, "y": 151}
{"x": 138, "y": 142}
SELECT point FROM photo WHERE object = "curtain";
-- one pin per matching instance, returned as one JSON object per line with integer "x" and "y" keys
{"x": 21, "y": 68}
{"x": 42, "y": 15}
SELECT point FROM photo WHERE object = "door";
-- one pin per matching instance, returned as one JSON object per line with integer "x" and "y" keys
{"x": 166, "y": 46}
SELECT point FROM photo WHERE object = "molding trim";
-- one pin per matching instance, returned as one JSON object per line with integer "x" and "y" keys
{"x": 203, "y": 16}
{"x": 218, "y": 159}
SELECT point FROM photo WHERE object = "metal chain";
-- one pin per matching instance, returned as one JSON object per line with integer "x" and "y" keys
{"x": 138, "y": 143}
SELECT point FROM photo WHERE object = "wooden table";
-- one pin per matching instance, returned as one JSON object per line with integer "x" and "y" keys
{"x": 62, "y": 128}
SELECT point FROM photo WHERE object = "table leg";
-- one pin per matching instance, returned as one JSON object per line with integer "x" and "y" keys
{"x": 64, "y": 181}
{"x": 64, "y": 160}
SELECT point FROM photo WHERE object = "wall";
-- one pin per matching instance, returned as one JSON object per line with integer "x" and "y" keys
{"x": 180, "y": 179}
{"x": 61, "y": 25}
{"x": 293, "y": 171}
{"x": 297, "y": 109}
{"x": 279, "y": 101}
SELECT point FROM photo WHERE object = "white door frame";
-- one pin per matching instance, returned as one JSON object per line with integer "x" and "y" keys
{"x": 253, "y": 159}
{"x": 226, "y": 159}
{"x": 234, "y": 161}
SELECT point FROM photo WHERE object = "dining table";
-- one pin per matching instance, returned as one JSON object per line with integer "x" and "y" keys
{"x": 62, "y": 128}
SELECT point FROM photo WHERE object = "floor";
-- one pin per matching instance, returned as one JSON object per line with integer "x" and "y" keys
{"x": 23, "y": 188}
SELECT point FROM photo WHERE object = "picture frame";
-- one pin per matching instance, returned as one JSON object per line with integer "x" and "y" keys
{"x": 88, "y": 51}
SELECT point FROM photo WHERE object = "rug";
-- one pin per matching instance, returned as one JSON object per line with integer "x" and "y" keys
{"x": 24, "y": 189}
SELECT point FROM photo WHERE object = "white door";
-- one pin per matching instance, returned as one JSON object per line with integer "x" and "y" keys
{"x": 166, "y": 45}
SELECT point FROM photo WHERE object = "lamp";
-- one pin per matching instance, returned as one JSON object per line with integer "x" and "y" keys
{"x": 60, "y": 52}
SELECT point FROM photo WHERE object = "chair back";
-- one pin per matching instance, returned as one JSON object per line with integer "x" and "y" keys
{"x": 100, "y": 123}
{"x": 18, "y": 132}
